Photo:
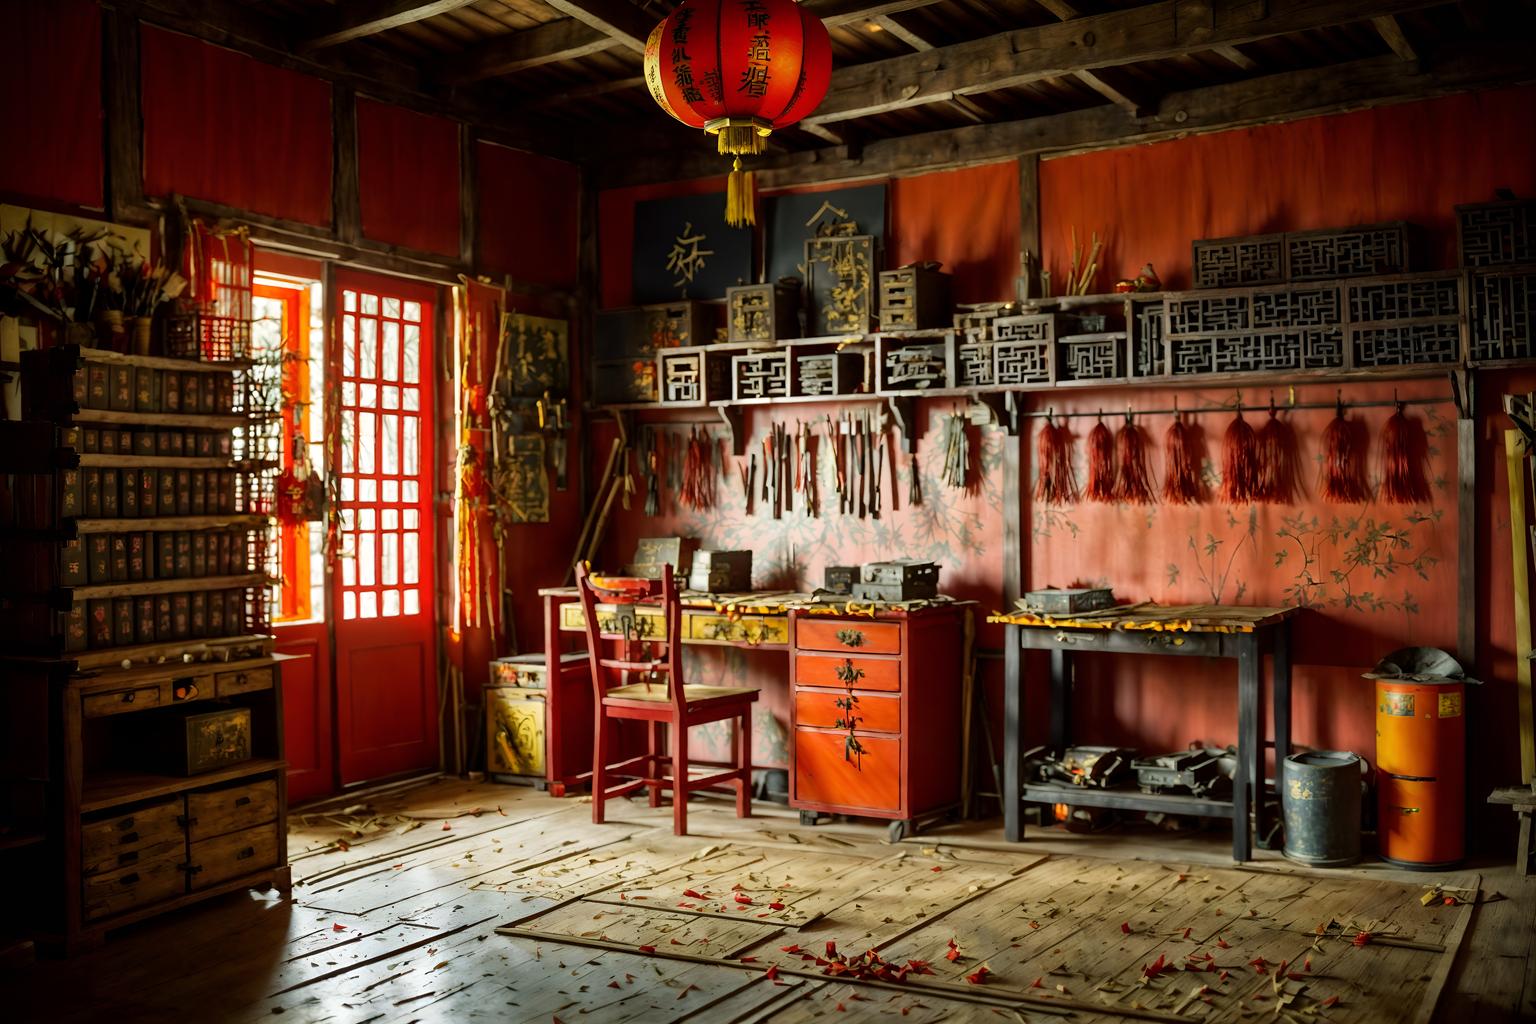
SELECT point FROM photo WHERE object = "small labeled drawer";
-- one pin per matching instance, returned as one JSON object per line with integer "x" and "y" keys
{"x": 215, "y": 812}
{"x": 117, "y": 702}
{"x": 870, "y": 713}
{"x": 648, "y": 624}
{"x": 829, "y": 774}
{"x": 218, "y": 860}
{"x": 231, "y": 683}
{"x": 745, "y": 629}
{"x": 860, "y": 673}
{"x": 815, "y": 634}
{"x": 133, "y": 886}
{"x": 146, "y": 834}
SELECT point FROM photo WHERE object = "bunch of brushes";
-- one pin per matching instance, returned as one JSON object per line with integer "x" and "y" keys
{"x": 957, "y": 453}
{"x": 1082, "y": 272}
{"x": 858, "y": 455}
{"x": 700, "y": 467}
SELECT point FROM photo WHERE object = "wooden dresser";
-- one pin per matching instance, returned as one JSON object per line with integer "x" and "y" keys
{"x": 877, "y": 714}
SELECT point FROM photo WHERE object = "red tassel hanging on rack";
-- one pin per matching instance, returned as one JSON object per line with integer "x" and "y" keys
{"x": 1134, "y": 485}
{"x": 1181, "y": 477}
{"x": 1343, "y": 462}
{"x": 1055, "y": 483}
{"x": 1402, "y": 464}
{"x": 1275, "y": 481}
{"x": 1239, "y": 462}
{"x": 1101, "y": 464}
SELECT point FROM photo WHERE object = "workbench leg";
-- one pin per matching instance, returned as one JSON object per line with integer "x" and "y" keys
{"x": 1013, "y": 735}
{"x": 1061, "y": 700}
{"x": 1248, "y": 746}
{"x": 1281, "y": 696}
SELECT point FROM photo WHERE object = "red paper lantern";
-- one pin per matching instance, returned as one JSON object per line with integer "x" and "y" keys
{"x": 739, "y": 69}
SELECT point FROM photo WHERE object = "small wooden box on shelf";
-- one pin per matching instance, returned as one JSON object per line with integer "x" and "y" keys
{"x": 136, "y": 637}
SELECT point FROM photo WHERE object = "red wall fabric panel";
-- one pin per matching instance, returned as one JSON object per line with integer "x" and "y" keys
{"x": 52, "y": 73}
{"x": 1411, "y": 162}
{"x": 967, "y": 219}
{"x": 226, "y": 128}
{"x": 408, "y": 177}
{"x": 528, "y": 212}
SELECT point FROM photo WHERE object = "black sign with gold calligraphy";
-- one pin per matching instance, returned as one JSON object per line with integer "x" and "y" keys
{"x": 684, "y": 250}
{"x": 789, "y": 223}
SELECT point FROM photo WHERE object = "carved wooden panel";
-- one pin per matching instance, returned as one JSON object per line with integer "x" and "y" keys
{"x": 1022, "y": 362}
{"x": 1091, "y": 357}
{"x": 973, "y": 364}
{"x": 761, "y": 374}
{"x": 1146, "y": 326}
{"x": 1230, "y": 262}
{"x": 1497, "y": 234}
{"x": 1364, "y": 251}
{"x": 1503, "y": 315}
{"x": 1405, "y": 320}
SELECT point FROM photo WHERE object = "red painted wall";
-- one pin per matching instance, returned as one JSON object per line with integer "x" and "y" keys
{"x": 52, "y": 74}
{"x": 408, "y": 177}
{"x": 529, "y": 208}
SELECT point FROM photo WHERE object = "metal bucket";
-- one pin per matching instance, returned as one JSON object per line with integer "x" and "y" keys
{"x": 1321, "y": 797}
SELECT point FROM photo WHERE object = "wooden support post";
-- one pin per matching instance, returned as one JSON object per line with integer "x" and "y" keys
{"x": 124, "y": 121}
{"x": 1463, "y": 387}
{"x": 469, "y": 198}
{"x": 346, "y": 206}
{"x": 1519, "y": 542}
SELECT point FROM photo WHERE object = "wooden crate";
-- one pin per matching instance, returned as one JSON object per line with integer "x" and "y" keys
{"x": 515, "y": 723}
{"x": 914, "y": 298}
{"x": 827, "y": 366}
{"x": 915, "y": 360}
{"x": 763, "y": 312}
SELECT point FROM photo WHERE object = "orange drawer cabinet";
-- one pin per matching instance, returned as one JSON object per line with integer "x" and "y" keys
{"x": 877, "y": 707}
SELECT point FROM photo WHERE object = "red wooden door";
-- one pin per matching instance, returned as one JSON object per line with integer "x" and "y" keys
{"x": 386, "y": 660}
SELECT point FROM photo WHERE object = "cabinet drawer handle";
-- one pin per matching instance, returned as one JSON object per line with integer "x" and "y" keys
{"x": 131, "y": 837}
{"x": 124, "y": 859}
{"x": 129, "y": 879}
{"x": 239, "y": 678}
{"x": 851, "y": 637}
{"x": 242, "y": 801}
{"x": 126, "y": 822}
{"x": 245, "y": 854}
{"x": 128, "y": 697}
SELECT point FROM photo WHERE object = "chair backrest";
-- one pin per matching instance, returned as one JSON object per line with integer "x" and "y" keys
{"x": 670, "y": 662}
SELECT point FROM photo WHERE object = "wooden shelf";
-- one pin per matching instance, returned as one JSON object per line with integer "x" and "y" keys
{"x": 113, "y": 657}
{"x": 138, "y": 588}
{"x": 103, "y": 355}
{"x": 1126, "y": 799}
{"x": 100, "y": 461}
{"x": 111, "y": 789}
{"x": 206, "y": 421}
{"x": 204, "y": 522}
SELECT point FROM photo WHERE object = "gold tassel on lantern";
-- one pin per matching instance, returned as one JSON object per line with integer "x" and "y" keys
{"x": 740, "y": 198}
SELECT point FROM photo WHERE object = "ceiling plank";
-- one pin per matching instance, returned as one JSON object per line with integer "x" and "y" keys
{"x": 1099, "y": 82}
{"x": 1061, "y": 9}
{"x": 1235, "y": 56}
{"x": 620, "y": 20}
{"x": 565, "y": 39}
{"x": 841, "y": 13}
{"x": 1270, "y": 98}
{"x": 574, "y": 93}
{"x": 1391, "y": 32}
{"x": 1151, "y": 32}
{"x": 966, "y": 107}
{"x": 366, "y": 19}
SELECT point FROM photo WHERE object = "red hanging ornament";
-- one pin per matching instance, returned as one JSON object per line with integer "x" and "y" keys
{"x": 1239, "y": 462}
{"x": 1055, "y": 483}
{"x": 1275, "y": 480}
{"x": 1101, "y": 463}
{"x": 1181, "y": 475}
{"x": 739, "y": 69}
{"x": 1402, "y": 460}
{"x": 1134, "y": 484}
{"x": 1344, "y": 461}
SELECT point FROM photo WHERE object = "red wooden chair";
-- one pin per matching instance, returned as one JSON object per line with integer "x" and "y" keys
{"x": 668, "y": 701}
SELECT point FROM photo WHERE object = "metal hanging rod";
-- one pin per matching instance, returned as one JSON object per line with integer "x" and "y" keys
{"x": 1235, "y": 406}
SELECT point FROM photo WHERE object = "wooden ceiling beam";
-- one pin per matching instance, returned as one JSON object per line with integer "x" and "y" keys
{"x": 1391, "y": 32}
{"x": 553, "y": 41}
{"x": 1235, "y": 56}
{"x": 1154, "y": 31}
{"x": 584, "y": 92}
{"x": 964, "y": 105}
{"x": 1100, "y": 83}
{"x": 619, "y": 20}
{"x": 1270, "y": 98}
{"x": 841, "y": 13}
{"x": 359, "y": 20}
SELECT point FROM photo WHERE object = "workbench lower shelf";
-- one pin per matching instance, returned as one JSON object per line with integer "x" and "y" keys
{"x": 1125, "y": 800}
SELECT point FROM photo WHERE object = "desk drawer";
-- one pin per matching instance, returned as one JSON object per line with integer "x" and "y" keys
{"x": 747, "y": 629}
{"x": 818, "y": 634}
{"x": 859, "y": 782}
{"x": 649, "y": 623}
{"x": 214, "y": 812}
{"x": 873, "y": 713}
{"x": 130, "y": 839}
{"x": 133, "y": 886}
{"x": 230, "y": 683}
{"x": 218, "y": 860}
{"x": 823, "y": 670}
{"x": 117, "y": 702}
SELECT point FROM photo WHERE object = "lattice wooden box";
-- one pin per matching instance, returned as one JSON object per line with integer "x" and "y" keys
{"x": 1405, "y": 320}
{"x": 1365, "y": 250}
{"x": 1098, "y": 358}
{"x": 915, "y": 360}
{"x": 626, "y": 343}
{"x": 760, "y": 374}
{"x": 1254, "y": 330}
{"x": 914, "y": 298}
{"x": 1497, "y": 234}
{"x": 828, "y": 366}
{"x": 1501, "y": 310}
{"x": 697, "y": 375}
{"x": 763, "y": 312}
{"x": 1023, "y": 350}
{"x": 1144, "y": 323}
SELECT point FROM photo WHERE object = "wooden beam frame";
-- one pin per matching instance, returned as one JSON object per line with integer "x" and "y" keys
{"x": 564, "y": 39}
{"x": 1279, "y": 97}
{"x": 1391, "y": 32}
{"x": 619, "y": 20}
{"x": 123, "y": 127}
{"x": 840, "y": 13}
{"x": 346, "y": 194}
{"x": 1152, "y": 32}
{"x": 361, "y": 20}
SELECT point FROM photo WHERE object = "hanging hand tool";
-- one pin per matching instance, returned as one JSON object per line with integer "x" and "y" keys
{"x": 914, "y": 485}
{"x": 863, "y": 454}
{"x": 879, "y": 471}
{"x": 749, "y": 477}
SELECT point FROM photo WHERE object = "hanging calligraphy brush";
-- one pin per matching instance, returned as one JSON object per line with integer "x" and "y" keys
{"x": 698, "y": 485}
{"x": 1275, "y": 482}
{"x": 1054, "y": 481}
{"x": 957, "y": 454}
{"x": 1134, "y": 485}
{"x": 1181, "y": 473}
{"x": 1344, "y": 460}
{"x": 1402, "y": 460}
{"x": 1101, "y": 463}
{"x": 1239, "y": 461}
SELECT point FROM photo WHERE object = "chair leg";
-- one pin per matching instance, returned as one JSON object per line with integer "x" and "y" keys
{"x": 742, "y": 736}
{"x": 599, "y": 768}
{"x": 653, "y": 766}
{"x": 679, "y": 735}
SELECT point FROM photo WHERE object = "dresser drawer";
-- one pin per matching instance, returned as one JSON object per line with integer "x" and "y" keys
{"x": 823, "y": 670}
{"x": 746, "y": 629}
{"x": 649, "y": 624}
{"x": 214, "y": 812}
{"x": 871, "y": 713}
{"x": 147, "y": 834}
{"x": 817, "y": 634}
{"x": 117, "y": 702}
{"x": 133, "y": 886}
{"x": 230, "y": 683}
{"x": 218, "y": 860}
{"x": 829, "y": 777}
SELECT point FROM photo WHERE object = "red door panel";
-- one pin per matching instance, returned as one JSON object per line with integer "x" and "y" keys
{"x": 385, "y": 600}
{"x": 307, "y": 710}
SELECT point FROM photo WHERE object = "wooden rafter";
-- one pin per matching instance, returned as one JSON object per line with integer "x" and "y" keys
{"x": 1277, "y": 97}
{"x": 1391, "y": 32}
{"x": 549, "y": 43}
{"x": 587, "y": 91}
{"x": 964, "y": 104}
{"x": 619, "y": 20}
{"x": 1101, "y": 82}
{"x": 359, "y": 20}
{"x": 837, "y": 13}
{"x": 1235, "y": 56}
{"x": 1151, "y": 32}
